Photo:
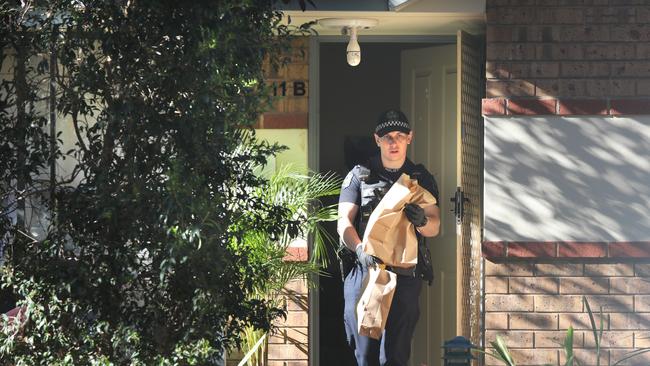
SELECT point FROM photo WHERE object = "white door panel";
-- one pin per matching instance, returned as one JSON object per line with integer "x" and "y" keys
{"x": 428, "y": 97}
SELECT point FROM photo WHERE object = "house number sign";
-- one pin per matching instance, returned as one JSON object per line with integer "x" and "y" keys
{"x": 293, "y": 88}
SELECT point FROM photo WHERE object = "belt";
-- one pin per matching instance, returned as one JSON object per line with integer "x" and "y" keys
{"x": 398, "y": 270}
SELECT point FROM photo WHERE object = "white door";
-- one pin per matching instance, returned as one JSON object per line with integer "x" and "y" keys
{"x": 428, "y": 98}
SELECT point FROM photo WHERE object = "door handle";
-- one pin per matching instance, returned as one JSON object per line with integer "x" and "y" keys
{"x": 459, "y": 200}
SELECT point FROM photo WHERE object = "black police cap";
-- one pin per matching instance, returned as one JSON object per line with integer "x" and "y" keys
{"x": 392, "y": 120}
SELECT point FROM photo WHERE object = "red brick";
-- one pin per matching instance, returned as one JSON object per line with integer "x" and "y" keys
{"x": 611, "y": 303}
{"x": 297, "y": 286}
{"x": 533, "y": 321}
{"x": 613, "y": 339}
{"x": 609, "y": 270}
{"x": 598, "y": 88}
{"x": 630, "y": 33}
{"x": 545, "y": 69}
{"x": 573, "y": 69}
{"x": 297, "y": 302}
{"x": 625, "y": 321}
{"x": 584, "y": 33}
{"x": 610, "y": 15}
{"x": 642, "y": 14}
{"x": 508, "y": 269}
{"x": 573, "y": 87}
{"x": 551, "y": 339}
{"x": 610, "y": 51}
{"x": 558, "y": 51}
{"x": 509, "y": 303}
{"x": 561, "y": 15}
{"x": 581, "y": 320}
{"x": 623, "y": 87}
{"x": 511, "y": 15}
{"x": 547, "y": 88}
{"x": 514, "y": 339}
{"x": 630, "y": 106}
{"x": 296, "y": 254}
{"x": 496, "y": 285}
{"x": 631, "y": 249}
{"x": 520, "y": 70}
{"x": 509, "y": 88}
{"x": 641, "y": 339}
{"x": 583, "y": 107}
{"x": 641, "y": 359}
{"x": 587, "y": 356}
{"x": 584, "y": 285}
{"x": 535, "y": 356}
{"x": 558, "y": 303}
{"x": 493, "y": 107}
{"x": 643, "y": 87}
{"x": 496, "y": 320}
{"x": 531, "y": 106}
{"x": 285, "y": 120}
{"x": 294, "y": 319}
{"x": 630, "y": 285}
{"x": 642, "y": 269}
{"x": 631, "y": 68}
{"x": 559, "y": 269}
{"x": 582, "y": 250}
{"x": 643, "y": 50}
{"x": 531, "y": 250}
{"x": 497, "y": 70}
{"x": 499, "y": 33}
{"x": 510, "y": 51}
{"x": 290, "y": 336}
{"x": 288, "y": 352}
{"x": 533, "y": 285}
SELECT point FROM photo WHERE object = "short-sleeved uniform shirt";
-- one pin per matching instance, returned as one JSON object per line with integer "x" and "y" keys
{"x": 351, "y": 187}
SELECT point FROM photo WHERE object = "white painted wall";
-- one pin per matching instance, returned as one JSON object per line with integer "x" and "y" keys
{"x": 567, "y": 179}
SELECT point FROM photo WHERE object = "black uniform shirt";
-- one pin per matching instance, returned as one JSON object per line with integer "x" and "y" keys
{"x": 351, "y": 188}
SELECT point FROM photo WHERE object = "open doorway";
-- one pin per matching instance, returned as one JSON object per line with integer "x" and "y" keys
{"x": 350, "y": 99}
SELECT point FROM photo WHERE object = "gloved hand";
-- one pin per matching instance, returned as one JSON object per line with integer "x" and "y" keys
{"x": 366, "y": 259}
{"x": 415, "y": 214}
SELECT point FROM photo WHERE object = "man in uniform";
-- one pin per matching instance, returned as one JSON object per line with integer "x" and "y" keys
{"x": 362, "y": 189}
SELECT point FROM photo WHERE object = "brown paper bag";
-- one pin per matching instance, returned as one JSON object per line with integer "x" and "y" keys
{"x": 375, "y": 301}
{"x": 389, "y": 235}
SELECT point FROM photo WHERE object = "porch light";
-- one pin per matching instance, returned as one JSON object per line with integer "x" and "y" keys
{"x": 350, "y": 27}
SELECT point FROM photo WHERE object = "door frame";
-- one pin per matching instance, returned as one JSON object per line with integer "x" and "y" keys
{"x": 313, "y": 146}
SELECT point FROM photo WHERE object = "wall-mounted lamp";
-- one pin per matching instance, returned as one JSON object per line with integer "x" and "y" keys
{"x": 350, "y": 27}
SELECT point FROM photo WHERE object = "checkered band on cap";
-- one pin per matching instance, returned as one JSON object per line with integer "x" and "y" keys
{"x": 392, "y": 120}
{"x": 390, "y": 126}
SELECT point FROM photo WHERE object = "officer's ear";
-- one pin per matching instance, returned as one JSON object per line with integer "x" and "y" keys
{"x": 376, "y": 138}
{"x": 409, "y": 138}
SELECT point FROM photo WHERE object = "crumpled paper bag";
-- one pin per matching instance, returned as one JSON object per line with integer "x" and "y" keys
{"x": 375, "y": 302}
{"x": 389, "y": 235}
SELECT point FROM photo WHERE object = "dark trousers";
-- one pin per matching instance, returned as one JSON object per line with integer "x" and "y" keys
{"x": 394, "y": 347}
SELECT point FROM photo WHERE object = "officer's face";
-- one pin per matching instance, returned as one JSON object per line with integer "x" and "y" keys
{"x": 393, "y": 145}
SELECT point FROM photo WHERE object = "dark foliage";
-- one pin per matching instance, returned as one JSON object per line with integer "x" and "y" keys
{"x": 143, "y": 257}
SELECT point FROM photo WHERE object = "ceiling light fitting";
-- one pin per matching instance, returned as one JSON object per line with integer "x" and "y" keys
{"x": 350, "y": 27}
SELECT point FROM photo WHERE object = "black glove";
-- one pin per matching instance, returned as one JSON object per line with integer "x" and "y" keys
{"x": 366, "y": 259}
{"x": 415, "y": 214}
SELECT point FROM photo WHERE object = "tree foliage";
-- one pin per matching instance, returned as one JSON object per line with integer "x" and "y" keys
{"x": 145, "y": 258}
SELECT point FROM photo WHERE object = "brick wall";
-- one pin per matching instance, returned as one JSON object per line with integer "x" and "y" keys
{"x": 532, "y": 304}
{"x": 570, "y": 58}
{"x": 288, "y": 345}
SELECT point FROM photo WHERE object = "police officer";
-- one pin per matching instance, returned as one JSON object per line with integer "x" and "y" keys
{"x": 361, "y": 191}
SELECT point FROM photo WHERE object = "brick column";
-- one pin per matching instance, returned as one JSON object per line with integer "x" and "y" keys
{"x": 573, "y": 58}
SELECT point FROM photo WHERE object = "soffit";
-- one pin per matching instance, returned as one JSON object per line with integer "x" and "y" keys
{"x": 398, "y": 23}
